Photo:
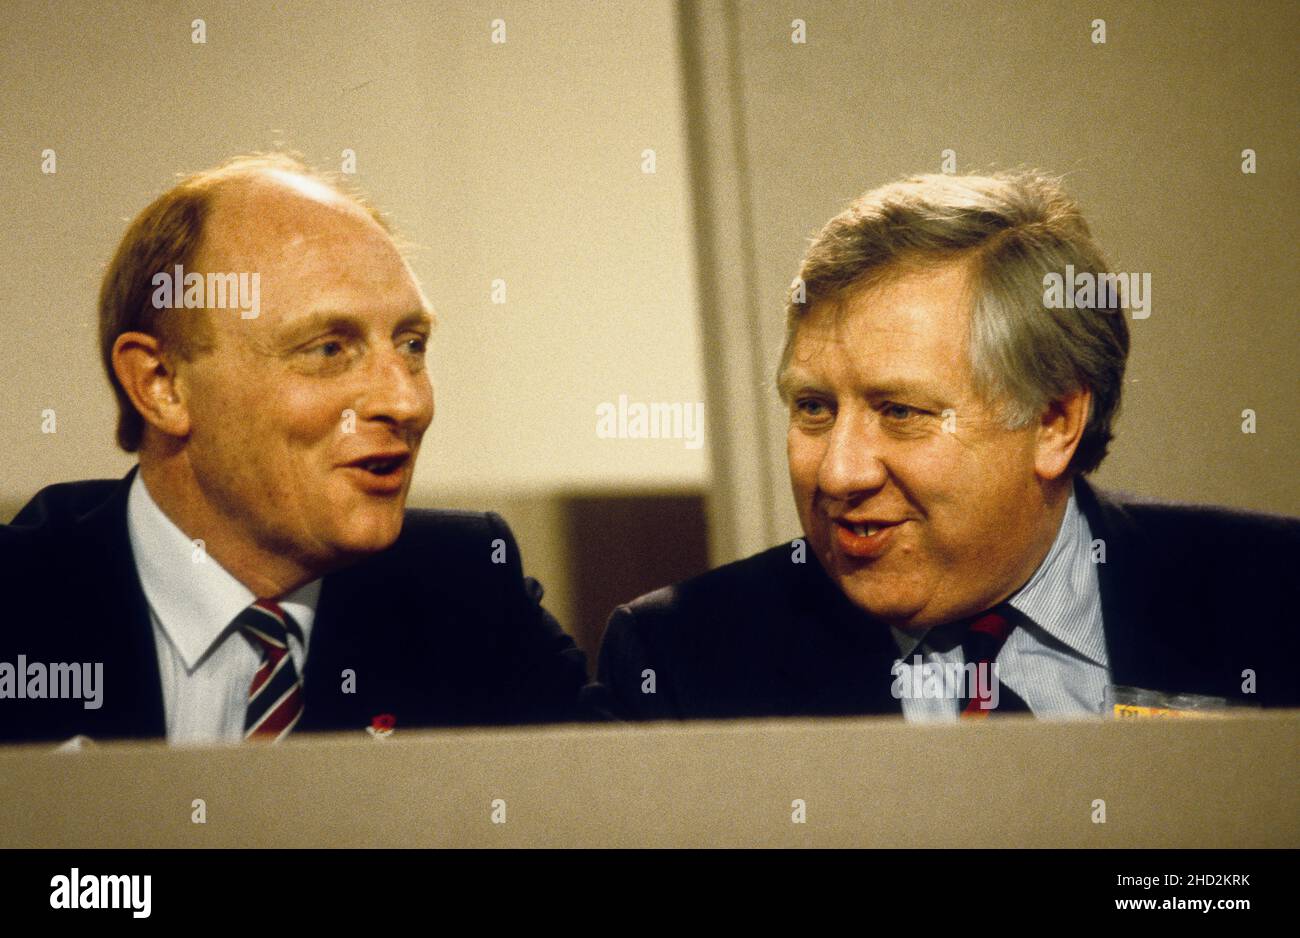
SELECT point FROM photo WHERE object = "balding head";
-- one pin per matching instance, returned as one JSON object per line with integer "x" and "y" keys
{"x": 285, "y": 440}
{"x": 170, "y": 233}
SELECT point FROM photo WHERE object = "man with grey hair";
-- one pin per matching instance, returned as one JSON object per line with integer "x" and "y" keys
{"x": 944, "y": 411}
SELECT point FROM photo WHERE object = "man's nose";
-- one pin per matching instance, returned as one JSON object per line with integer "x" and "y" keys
{"x": 396, "y": 393}
{"x": 852, "y": 461}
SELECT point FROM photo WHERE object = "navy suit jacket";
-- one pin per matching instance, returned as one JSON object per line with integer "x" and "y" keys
{"x": 1191, "y": 597}
{"x": 435, "y": 632}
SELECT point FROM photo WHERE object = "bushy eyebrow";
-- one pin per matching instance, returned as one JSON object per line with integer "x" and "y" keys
{"x": 419, "y": 319}
{"x": 792, "y": 379}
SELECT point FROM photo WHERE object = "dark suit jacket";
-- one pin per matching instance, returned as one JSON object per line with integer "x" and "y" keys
{"x": 436, "y": 633}
{"x": 1191, "y": 597}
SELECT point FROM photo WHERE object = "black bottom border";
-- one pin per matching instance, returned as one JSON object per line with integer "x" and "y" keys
{"x": 305, "y": 886}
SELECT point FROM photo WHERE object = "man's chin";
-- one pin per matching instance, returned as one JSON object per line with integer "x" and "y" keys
{"x": 363, "y": 532}
{"x": 879, "y": 600}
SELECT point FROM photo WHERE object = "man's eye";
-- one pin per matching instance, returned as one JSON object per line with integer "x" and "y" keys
{"x": 900, "y": 412}
{"x": 418, "y": 345}
{"x": 810, "y": 407}
{"x": 328, "y": 349}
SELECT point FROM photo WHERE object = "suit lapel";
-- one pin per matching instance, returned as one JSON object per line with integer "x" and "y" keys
{"x": 836, "y": 658}
{"x": 1134, "y": 603}
{"x": 114, "y": 616}
{"x": 332, "y": 660}
{"x": 355, "y": 663}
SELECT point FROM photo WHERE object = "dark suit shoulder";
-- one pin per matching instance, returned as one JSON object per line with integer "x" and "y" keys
{"x": 442, "y": 522}
{"x": 470, "y": 558}
{"x": 64, "y": 503}
{"x": 468, "y": 553}
{"x": 467, "y": 640}
{"x": 715, "y": 645}
{"x": 453, "y": 535}
{"x": 64, "y": 526}
{"x": 1197, "y": 597}
{"x": 704, "y": 618}
{"x": 1183, "y": 519}
{"x": 753, "y": 582}
{"x": 1214, "y": 537}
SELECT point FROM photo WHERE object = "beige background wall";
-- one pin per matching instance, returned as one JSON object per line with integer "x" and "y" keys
{"x": 1148, "y": 128}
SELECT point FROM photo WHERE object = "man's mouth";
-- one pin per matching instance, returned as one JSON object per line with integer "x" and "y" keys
{"x": 382, "y": 467}
{"x": 864, "y": 539}
{"x": 380, "y": 473}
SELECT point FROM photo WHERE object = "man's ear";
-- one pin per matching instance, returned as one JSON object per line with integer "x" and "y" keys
{"x": 149, "y": 379}
{"x": 1059, "y": 430}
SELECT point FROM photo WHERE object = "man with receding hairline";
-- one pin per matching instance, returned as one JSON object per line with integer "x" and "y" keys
{"x": 944, "y": 412}
{"x": 258, "y": 573}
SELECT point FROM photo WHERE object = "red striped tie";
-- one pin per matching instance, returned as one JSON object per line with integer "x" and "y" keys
{"x": 984, "y": 638}
{"x": 275, "y": 696}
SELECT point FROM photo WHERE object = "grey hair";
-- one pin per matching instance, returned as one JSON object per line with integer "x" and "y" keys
{"x": 1012, "y": 229}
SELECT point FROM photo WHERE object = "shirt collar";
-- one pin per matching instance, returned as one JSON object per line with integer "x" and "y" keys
{"x": 1064, "y": 582}
{"x": 907, "y": 641}
{"x": 1062, "y": 590}
{"x": 193, "y": 597}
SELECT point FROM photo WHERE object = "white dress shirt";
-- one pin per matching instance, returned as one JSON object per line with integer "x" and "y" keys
{"x": 206, "y": 666}
{"x": 1057, "y": 663}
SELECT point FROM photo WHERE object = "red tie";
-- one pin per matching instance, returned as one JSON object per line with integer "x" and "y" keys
{"x": 984, "y": 637}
